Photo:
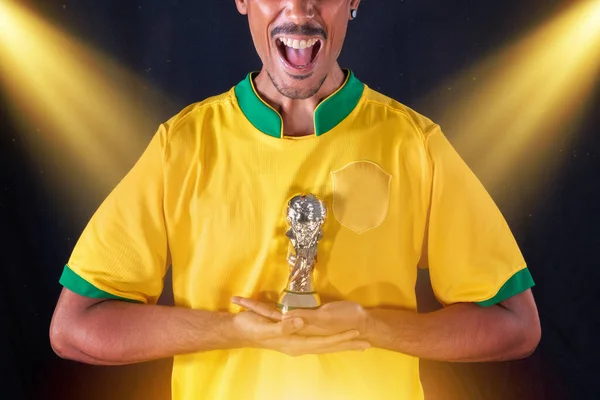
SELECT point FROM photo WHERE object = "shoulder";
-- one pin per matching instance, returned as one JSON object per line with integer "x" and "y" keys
{"x": 196, "y": 111}
{"x": 183, "y": 135}
{"x": 189, "y": 118}
{"x": 395, "y": 112}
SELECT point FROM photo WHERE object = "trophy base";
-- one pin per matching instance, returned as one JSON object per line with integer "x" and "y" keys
{"x": 289, "y": 300}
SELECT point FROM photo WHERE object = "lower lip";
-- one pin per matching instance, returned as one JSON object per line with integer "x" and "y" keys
{"x": 304, "y": 70}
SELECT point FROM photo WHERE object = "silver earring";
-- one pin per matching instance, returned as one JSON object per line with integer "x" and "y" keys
{"x": 353, "y": 13}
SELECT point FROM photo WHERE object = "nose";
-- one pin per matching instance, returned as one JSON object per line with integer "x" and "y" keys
{"x": 300, "y": 11}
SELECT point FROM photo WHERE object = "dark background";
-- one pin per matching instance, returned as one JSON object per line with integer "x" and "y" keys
{"x": 404, "y": 48}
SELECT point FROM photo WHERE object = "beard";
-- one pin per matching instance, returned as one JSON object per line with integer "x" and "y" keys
{"x": 296, "y": 93}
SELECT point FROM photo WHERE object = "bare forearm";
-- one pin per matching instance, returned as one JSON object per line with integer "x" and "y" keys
{"x": 461, "y": 332}
{"x": 116, "y": 332}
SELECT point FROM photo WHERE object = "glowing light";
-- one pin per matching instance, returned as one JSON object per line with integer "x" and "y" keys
{"x": 513, "y": 114}
{"x": 80, "y": 110}
{"x": 4, "y": 18}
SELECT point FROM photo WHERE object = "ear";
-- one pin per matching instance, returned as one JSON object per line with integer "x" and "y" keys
{"x": 242, "y": 6}
{"x": 354, "y": 4}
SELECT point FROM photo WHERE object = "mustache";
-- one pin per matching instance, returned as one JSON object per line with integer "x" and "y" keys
{"x": 301, "y": 30}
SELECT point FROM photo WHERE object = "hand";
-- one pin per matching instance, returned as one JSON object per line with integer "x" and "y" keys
{"x": 331, "y": 318}
{"x": 263, "y": 326}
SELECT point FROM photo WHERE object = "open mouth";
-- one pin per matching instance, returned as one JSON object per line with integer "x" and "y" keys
{"x": 299, "y": 54}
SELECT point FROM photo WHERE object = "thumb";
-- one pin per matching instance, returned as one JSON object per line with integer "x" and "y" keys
{"x": 289, "y": 326}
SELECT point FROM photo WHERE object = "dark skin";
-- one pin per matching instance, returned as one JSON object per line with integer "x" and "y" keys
{"x": 457, "y": 333}
{"x": 112, "y": 332}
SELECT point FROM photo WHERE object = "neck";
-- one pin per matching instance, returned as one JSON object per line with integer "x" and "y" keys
{"x": 298, "y": 115}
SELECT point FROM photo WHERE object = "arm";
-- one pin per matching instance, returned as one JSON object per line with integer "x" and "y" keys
{"x": 460, "y": 332}
{"x": 114, "y": 332}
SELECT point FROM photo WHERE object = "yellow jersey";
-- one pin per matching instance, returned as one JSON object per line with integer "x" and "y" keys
{"x": 208, "y": 199}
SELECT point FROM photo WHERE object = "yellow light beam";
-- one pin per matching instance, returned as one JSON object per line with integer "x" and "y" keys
{"x": 511, "y": 113}
{"x": 79, "y": 110}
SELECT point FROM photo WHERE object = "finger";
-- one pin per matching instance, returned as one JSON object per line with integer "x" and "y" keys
{"x": 301, "y": 313}
{"x": 291, "y": 326}
{"x": 279, "y": 329}
{"x": 312, "y": 330}
{"x": 311, "y": 318}
{"x": 258, "y": 307}
{"x": 353, "y": 345}
{"x": 326, "y": 341}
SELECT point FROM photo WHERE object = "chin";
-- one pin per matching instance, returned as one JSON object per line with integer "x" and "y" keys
{"x": 298, "y": 87}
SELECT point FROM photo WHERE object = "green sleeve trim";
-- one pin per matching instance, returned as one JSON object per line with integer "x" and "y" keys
{"x": 77, "y": 284}
{"x": 517, "y": 283}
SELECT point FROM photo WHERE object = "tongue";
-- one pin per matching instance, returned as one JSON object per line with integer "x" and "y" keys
{"x": 299, "y": 57}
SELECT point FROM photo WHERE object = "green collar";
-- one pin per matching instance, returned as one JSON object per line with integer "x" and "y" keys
{"x": 330, "y": 112}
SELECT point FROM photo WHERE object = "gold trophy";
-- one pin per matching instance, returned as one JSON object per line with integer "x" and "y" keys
{"x": 306, "y": 216}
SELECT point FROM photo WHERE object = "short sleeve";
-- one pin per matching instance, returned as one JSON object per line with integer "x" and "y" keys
{"x": 123, "y": 251}
{"x": 471, "y": 252}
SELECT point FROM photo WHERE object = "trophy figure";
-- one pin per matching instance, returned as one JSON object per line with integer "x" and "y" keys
{"x": 306, "y": 215}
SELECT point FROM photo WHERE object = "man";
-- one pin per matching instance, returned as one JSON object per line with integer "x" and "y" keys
{"x": 208, "y": 198}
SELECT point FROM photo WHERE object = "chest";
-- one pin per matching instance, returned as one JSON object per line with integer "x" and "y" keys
{"x": 230, "y": 225}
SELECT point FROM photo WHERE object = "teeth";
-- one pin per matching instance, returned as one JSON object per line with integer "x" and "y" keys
{"x": 298, "y": 44}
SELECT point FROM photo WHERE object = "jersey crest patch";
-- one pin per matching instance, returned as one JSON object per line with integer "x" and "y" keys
{"x": 361, "y": 192}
